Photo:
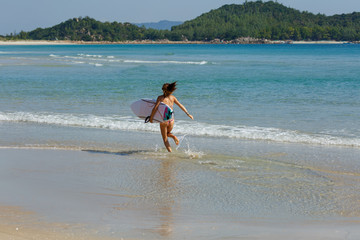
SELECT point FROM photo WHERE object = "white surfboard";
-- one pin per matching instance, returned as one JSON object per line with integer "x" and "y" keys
{"x": 143, "y": 108}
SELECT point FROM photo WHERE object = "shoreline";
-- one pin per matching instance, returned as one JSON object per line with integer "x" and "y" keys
{"x": 160, "y": 42}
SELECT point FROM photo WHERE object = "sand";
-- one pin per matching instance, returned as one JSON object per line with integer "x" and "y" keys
{"x": 68, "y": 42}
{"x": 34, "y": 42}
{"x": 70, "y": 194}
{"x": 65, "y": 42}
{"x": 19, "y": 224}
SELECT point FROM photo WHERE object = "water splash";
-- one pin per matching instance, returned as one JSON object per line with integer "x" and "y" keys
{"x": 190, "y": 151}
{"x": 181, "y": 138}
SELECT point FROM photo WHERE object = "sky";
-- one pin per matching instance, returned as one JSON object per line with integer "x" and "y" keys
{"x": 27, "y": 15}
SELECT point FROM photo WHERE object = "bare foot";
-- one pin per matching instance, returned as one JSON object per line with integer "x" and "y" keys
{"x": 176, "y": 140}
{"x": 174, "y": 137}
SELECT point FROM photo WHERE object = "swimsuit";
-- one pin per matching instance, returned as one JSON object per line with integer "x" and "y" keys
{"x": 168, "y": 115}
{"x": 170, "y": 120}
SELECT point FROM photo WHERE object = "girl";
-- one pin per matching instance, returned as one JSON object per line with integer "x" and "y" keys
{"x": 168, "y": 99}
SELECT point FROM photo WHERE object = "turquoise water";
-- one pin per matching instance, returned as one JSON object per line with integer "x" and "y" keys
{"x": 276, "y": 128}
{"x": 307, "y": 94}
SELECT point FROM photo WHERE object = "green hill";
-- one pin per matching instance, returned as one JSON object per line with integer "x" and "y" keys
{"x": 88, "y": 29}
{"x": 270, "y": 20}
{"x": 263, "y": 20}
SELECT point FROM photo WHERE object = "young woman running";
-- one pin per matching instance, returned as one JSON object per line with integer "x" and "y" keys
{"x": 168, "y": 99}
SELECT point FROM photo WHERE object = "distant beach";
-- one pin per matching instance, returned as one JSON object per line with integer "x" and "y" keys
{"x": 65, "y": 42}
{"x": 35, "y": 42}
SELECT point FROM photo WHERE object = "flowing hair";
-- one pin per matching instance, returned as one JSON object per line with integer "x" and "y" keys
{"x": 169, "y": 88}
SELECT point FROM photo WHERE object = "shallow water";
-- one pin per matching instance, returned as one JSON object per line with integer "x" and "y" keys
{"x": 282, "y": 93}
{"x": 253, "y": 178}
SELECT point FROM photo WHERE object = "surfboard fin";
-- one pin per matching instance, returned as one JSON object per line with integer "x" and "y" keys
{"x": 147, "y": 119}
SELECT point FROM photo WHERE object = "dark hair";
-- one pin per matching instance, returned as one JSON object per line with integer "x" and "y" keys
{"x": 169, "y": 88}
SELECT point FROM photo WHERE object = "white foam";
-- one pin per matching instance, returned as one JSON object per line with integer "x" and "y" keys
{"x": 266, "y": 134}
{"x": 96, "y": 64}
{"x": 166, "y": 62}
{"x": 128, "y": 123}
{"x": 71, "y": 57}
{"x": 112, "y": 59}
{"x": 90, "y": 55}
{"x": 79, "y": 120}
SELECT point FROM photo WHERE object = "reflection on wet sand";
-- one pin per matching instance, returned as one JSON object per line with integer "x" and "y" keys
{"x": 166, "y": 183}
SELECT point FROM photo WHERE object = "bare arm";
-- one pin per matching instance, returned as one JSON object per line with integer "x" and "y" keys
{"x": 155, "y": 109}
{"x": 182, "y": 108}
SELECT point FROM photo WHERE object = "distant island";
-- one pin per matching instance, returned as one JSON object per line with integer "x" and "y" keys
{"x": 251, "y": 22}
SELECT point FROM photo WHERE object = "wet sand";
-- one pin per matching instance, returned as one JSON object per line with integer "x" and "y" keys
{"x": 67, "y": 194}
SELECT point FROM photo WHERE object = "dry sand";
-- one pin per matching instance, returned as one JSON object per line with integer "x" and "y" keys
{"x": 33, "y": 42}
{"x": 19, "y": 224}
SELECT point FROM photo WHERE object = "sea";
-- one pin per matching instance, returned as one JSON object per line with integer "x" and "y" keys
{"x": 279, "y": 124}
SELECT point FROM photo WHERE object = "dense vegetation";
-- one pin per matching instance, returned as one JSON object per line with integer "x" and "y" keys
{"x": 88, "y": 29}
{"x": 268, "y": 20}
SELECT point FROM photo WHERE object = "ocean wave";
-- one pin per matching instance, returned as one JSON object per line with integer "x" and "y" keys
{"x": 128, "y": 123}
{"x": 90, "y": 55}
{"x": 269, "y": 134}
{"x": 166, "y": 62}
{"x": 97, "y": 64}
{"x": 113, "y": 122}
{"x": 113, "y": 59}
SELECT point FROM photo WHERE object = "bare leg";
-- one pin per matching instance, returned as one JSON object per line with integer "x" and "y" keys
{"x": 169, "y": 134}
{"x": 176, "y": 140}
{"x": 164, "y": 134}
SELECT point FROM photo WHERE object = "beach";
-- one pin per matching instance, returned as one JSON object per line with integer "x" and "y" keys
{"x": 33, "y": 42}
{"x": 19, "y": 224}
{"x": 273, "y": 152}
{"x": 69, "y": 42}
{"x": 165, "y": 41}
{"x": 67, "y": 194}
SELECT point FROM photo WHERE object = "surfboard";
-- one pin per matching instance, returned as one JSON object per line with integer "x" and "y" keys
{"x": 143, "y": 108}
